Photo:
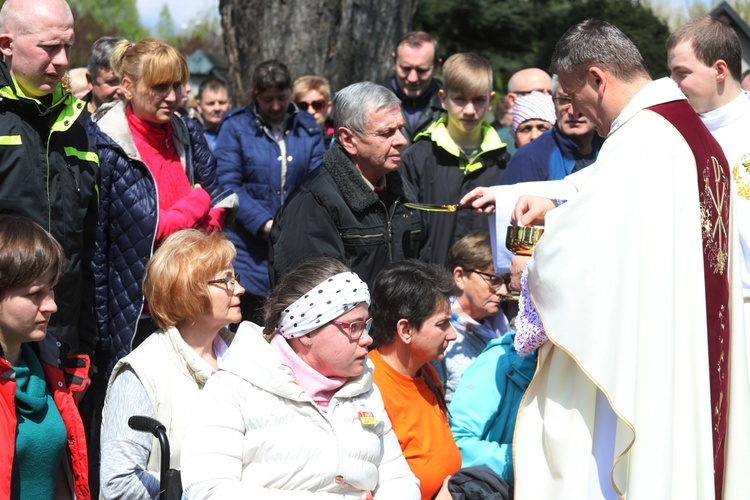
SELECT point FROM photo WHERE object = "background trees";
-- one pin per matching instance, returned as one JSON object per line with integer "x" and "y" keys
{"x": 344, "y": 40}
{"x": 516, "y": 34}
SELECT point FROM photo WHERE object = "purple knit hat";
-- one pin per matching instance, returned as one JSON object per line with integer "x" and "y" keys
{"x": 534, "y": 106}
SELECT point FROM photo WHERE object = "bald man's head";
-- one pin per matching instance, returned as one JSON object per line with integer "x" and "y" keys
{"x": 35, "y": 39}
{"x": 526, "y": 81}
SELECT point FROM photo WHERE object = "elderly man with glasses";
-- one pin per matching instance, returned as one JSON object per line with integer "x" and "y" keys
{"x": 569, "y": 146}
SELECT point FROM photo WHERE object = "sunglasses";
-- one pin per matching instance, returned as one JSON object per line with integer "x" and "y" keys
{"x": 316, "y": 105}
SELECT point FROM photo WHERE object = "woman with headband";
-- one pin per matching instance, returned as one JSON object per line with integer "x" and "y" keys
{"x": 297, "y": 411}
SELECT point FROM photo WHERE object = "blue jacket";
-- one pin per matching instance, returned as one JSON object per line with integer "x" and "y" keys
{"x": 128, "y": 218}
{"x": 250, "y": 163}
{"x": 483, "y": 413}
{"x": 550, "y": 157}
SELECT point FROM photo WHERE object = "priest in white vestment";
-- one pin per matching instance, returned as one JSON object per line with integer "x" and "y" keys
{"x": 621, "y": 403}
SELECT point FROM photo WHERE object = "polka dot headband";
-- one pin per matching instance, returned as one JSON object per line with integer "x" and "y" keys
{"x": 326, "y": 302}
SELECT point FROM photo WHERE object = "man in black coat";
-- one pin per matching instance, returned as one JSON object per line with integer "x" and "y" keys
{"x": 353, "y": 208}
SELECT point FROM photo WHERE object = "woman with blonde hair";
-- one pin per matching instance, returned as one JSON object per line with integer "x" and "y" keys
{"x": 158, "y": 176}
{"x": 193, "y": 293}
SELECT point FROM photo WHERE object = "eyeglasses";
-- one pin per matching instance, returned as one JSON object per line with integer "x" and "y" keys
{"x": 229, "y": 281}
{"x": 493, "y": 280}
{"x": 355, "y": 328}
{"x": 563, "y": 101}
{"x": 316, "y": 105}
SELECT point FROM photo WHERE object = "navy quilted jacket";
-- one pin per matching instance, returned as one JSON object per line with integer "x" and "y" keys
{"x": 128, "y": 218}
{"x": 250, "y": 163}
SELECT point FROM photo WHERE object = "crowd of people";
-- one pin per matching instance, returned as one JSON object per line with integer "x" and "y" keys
{"x": 312, "y": 295}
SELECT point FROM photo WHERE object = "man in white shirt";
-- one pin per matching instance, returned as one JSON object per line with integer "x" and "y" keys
{"x": 705, "y": 58}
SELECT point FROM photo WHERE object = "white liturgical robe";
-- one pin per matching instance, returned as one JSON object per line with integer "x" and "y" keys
{"x": 617, "y": 280}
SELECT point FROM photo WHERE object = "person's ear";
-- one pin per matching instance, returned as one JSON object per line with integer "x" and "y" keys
{"x": 89, "y": 81}
{"x": 441, "y": 95}
{"x": 598, "y": 79}
{"x": 128, "y": 87}
{"x": 492, "y": 99}
{"x": 459, "y": 277}
{"x": 6, "y": 44}
{"x": 722, "y": 71}
{"x": 348, "y": 140}
{"x": 404, "y": 330}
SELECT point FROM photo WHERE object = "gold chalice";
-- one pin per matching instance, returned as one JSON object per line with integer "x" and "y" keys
{"x": 521, "y": 240}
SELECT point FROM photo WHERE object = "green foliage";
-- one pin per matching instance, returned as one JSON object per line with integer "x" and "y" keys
{"x": 515, "y": 34}
{"x": 116, "y": 17}
{"x": 636, "y": 20}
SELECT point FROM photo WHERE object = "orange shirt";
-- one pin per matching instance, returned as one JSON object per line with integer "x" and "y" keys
{"x": 421, "y": 426}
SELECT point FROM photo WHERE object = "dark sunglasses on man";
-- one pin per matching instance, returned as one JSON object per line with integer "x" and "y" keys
{"x": 316, "y": 105}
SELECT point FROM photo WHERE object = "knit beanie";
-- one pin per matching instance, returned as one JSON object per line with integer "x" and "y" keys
{"x": 534, "y": 106}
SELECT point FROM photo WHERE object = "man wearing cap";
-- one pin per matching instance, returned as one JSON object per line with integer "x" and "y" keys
{"x": 570, "y": 145}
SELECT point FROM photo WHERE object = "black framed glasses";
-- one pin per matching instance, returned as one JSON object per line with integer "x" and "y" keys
{"x": 493, "y": 280}
{"x": 315, "y": 105}
{"x": 355, "y": 329}
{"x": 229, "y": 281}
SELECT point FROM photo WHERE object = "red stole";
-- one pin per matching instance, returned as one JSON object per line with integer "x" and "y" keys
{"x": 714, "y": 193}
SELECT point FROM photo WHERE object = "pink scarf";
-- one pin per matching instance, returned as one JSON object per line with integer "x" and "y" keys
{"x": 319, "y": 387}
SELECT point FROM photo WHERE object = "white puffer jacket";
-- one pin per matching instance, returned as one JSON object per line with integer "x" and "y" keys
{"x": 257, "y": 434}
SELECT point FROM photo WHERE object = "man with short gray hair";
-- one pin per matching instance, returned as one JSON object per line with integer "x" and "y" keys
{"x": 352, "y": 209}
{"x": 104, "y": 85}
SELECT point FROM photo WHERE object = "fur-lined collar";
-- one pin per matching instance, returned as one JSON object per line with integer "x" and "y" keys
{"x": 355, "y": 191}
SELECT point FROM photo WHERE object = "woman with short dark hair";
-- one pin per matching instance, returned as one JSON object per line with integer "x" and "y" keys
{"x": 43, "y": 451}
{"x": 412, "y": 320}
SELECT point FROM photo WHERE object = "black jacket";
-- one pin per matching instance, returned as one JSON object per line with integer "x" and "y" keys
{"x": 439, "y": 178}
{"x": 334, "y": 213}
{"x": 48, "y": 173}
{"x": 428, "y": 105}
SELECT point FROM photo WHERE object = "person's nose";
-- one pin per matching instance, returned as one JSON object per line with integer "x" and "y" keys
{"x": 61, "y": 58}
{"x": 469, "y": 109}
{"x": 535, "y": 133}
{"x": 365, "y": 339}
{"x": 399, "y": 140}
{"x": 172, "y": 95}
{"x": 451, "y": 334}
{"x": 412, "y": 76}
{"x": 48, "y": 303}
{"x": 238, "y": 289}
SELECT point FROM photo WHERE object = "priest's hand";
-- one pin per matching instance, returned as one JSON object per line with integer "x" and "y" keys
{"x": 530, "y": 210}
{"x": 481, "y": 200}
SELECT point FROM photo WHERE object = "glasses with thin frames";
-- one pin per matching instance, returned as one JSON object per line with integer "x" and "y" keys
{"x": 355, "y": 329}
{"x": 229, "y": 281}
{"x": 563, "y": 101}
{"x": 316, "y": 105}
{"x": 493, "y": 280}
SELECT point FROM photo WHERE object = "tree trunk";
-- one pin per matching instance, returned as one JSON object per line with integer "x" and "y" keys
{"x": 345, "y": 41}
